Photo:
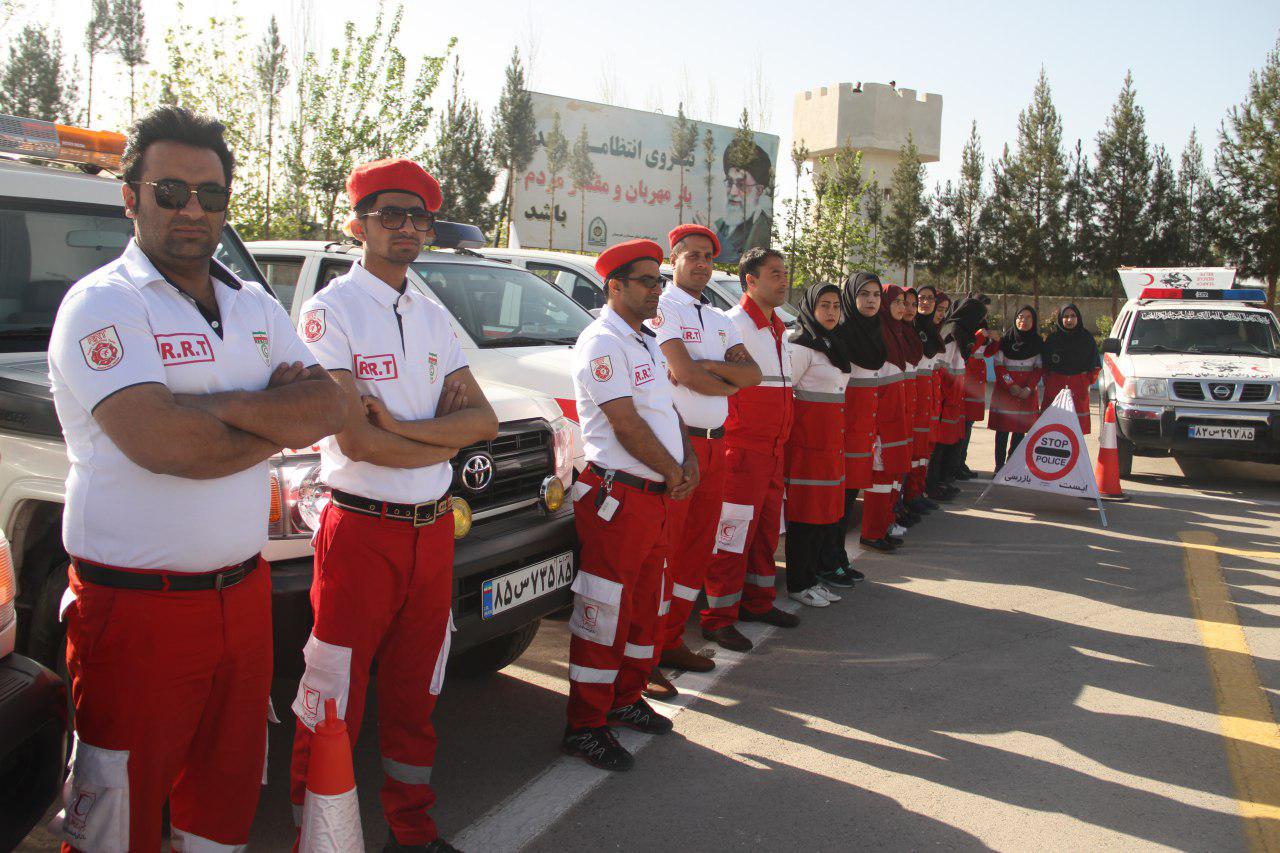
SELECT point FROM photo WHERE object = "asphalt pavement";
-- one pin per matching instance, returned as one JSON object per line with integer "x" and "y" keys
{"x": 1017, "y": 677}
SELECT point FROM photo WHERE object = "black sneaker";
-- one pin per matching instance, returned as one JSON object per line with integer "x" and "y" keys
{"x": 882, "y": 544}
{"x": 598, "y": 747}
{"x": 895, "y": 541}
{"x": 437, "y": 846}
{"x": 855, "y": 575}
{"x": 639, "y": 716}
{"x": 930, "y": 502}
{"x": 838, "y": 577}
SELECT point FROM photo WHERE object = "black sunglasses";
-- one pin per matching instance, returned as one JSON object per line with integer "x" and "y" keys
{"x": 172, "y": 194}
{"x": 392, "y": 218}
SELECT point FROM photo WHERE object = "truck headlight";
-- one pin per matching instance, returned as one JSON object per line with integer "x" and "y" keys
{"x": 562, "y": 440}
{"x": 297, "y": 497}
{"x": 1147, "y": 388}
{"x": 552, "y": 494}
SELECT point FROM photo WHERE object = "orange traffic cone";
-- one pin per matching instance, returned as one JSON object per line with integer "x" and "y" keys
{"x": 331, "y": 811}
{"x": 1107, "y": 469}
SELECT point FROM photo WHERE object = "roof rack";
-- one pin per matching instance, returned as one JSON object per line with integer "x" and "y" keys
{"x": 90, "y": 150}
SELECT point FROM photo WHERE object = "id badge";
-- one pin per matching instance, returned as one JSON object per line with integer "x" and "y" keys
{"x": 608, "y": 507}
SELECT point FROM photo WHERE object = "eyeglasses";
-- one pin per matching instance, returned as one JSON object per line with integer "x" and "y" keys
{"x": 740, "y": 183}
{"x": 649, "y": 281}
{"x": 172, "y": 194}
{"x": 392, "y": 218}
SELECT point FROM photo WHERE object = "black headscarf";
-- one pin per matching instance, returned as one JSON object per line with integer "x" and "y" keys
{"x": 1017, "y": 344}
{"x": 812, "y": 334}
{"x": 926, "y": 329}
{"x": 915, "y": 346}
{"x": 963, "y": 322}
{"x": 863, "y": 340}
{"x": 896, "y": 337}
{"x": 1070, "y": 352}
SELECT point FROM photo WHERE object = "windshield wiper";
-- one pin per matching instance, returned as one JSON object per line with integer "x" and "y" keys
{"x": 523, "y": 341}
{"x": 1152, "y": 348}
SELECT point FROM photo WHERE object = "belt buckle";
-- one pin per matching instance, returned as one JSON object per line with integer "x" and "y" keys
{"x": 419, "y": 521}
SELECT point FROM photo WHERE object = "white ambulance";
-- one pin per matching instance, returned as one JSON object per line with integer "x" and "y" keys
{"x": 1193, "y": 367}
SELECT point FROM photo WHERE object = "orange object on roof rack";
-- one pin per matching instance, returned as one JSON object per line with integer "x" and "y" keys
{"x": 29, "y": 137}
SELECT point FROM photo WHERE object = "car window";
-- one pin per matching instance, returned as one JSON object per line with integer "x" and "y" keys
{"x": 501, "y": 307}
{"x": 581, "y": 289}
{"x": 282, "y": 274}
{"x": 330, "y": 269}
{"x": 47, "y": 246}
{"x": 1209, "y": 331}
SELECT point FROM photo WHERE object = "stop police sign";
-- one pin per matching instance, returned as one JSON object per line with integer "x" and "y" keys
{"x": 1052, "y": 451}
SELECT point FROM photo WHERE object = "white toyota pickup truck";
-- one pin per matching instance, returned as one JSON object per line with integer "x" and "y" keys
{"x": 1193, "y": 367}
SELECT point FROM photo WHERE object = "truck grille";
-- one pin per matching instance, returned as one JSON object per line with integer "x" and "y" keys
{"x": 521, "y": 456}
{"x": 1188, "y": 390}
{"x": 1255, "y": 393}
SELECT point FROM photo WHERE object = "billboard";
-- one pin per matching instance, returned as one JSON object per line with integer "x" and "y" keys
{"x": 640, "y": 188}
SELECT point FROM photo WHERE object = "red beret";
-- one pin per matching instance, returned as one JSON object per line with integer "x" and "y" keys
{"x": 681, "y": 231}
{"x": 624, "y": 253}
{"x": 398, "y": 174}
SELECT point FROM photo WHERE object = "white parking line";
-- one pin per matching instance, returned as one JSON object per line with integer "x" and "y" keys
{"x": 526, "y": 814}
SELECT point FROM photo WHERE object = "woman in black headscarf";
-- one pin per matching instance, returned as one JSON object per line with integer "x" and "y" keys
{"x": 967, "y": 326}
{"x": 1071, "y": 361}
{"x": 814, "y": 469}
{"x": 1015, "y": 402}
{"x": 928, "y": 392}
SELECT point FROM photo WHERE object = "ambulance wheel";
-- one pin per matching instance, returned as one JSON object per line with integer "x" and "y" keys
{"x": 48, "y": 643}
{"x": 1124, "y": 453}
{"x": 493, "y": 655}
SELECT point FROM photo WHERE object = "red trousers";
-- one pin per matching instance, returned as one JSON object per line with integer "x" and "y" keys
{"x": 742, "y": 569}
{"x": 691, "y": 532}
{"x": 382, "y": 588}
{"x": 171, "y": 695}
{"x": 618, "y": 592}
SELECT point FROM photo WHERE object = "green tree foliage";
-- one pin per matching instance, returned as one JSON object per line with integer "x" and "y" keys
{"x": 1122, "y": 177}
{"x": 129, "y": 37}
{"x": 1077, "y": 215}
{"x": 684, "y": 141}
{"x": 907, "y": 207}
{"x": 99, "y": 35}
{"x": 557, "y": 146}
{"x": 35, "y": 82}
{"x": 1001, "y": 251}
{"x": 833, "y": 239}
{"x": 940, "y": 238}
{"x": 582, "y": 173}
{"x": 461, "y": 159}
{"x": 708, "y": 162}
{"x": 514, "y": 134}
{"x": 966, "y": 207}
{"x": 1199, "y": 212}
{"x": 272, "y": 75}
{"x": 1164, "y": 212}
{"x": 873, "y": 213}
{"x": 1248, "y": 168}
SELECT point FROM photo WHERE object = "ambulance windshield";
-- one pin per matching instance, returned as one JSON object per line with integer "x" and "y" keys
{"x": 1208, "y": 331}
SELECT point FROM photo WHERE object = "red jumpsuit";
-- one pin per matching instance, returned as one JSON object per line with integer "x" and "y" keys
{"x": 922, "y": 444}
{"x": 742, "y": 569}
{"x": 894, "y": 438}
{"x": 975, "y": 376}
{"x": 691, "y": 527}
{"x": 1009, "y": 413}
{"x": 860, "y": 402}
{"x": 1079, "y": 383}
{"x": 815, "y": 477}
{"x": 952, "y": 428}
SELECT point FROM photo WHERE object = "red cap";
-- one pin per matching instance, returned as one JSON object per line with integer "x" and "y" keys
{"x": 681, "y": 231}
{"x": 624, "y": 253}
{"x": 398, "y": 174}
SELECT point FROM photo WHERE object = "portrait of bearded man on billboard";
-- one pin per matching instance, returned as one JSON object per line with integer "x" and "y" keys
{"x": 748, "y": 219}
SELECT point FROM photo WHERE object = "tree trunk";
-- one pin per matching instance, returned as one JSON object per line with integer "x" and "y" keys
{"x": 132, "y": 107}
{"x": 582, "y": 220}
{"x": 271, "y": 116}
{"x": 505, "y": 212}
{"x": 551, "y": 220}
{"x": 88, "y": 106}
{"x": 680, "y": 201}
{"x": 1271, "y": 291}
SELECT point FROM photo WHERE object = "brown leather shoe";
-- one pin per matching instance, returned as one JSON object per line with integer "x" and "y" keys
{"x": 772, "y": 616}
{"x": 659, "y": 686}
{"x": 683, "y": 657}
{"x": 729, "y": 638}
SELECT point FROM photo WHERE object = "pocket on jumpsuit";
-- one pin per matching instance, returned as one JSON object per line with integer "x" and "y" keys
{"x": 731, "y": 531}
{"x": 95, "y": 800}
{"x": 442, "y": 659}
{"x": 327, "y": 676}
{"x": 596, "y": 606}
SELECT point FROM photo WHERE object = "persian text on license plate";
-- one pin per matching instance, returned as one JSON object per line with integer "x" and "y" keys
{"x": 516, "y": 588}
{"x": 1228, "y": 433}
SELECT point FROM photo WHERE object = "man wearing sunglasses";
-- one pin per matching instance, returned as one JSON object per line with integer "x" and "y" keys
{"x": 174, "y": 382}
{"x": 638, "y": 460}
{"x": 384, "y": 549}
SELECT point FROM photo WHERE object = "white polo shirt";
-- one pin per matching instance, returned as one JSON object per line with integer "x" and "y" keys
{"x": 707, "y": 334}
{"x": 400, "y": 347}
{"x": 125, "y": 325}
{"x": 610, "y": 361}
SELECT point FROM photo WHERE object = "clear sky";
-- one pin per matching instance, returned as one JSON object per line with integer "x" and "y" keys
{"x": 1190, "y": 60}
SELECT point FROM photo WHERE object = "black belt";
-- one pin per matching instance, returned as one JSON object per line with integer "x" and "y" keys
{"x": 699, "y": 432}
{"x": 419, "y": 515}
{"x": 627, "y": 479}
{"x": 164, "y": 581}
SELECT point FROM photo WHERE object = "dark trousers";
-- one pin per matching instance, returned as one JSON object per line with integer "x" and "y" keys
{"x": 960, "y": 452}
{"x": 836, "y": 555}
{"x": 811, "y": 548}
{"x": 1003, "y": 441}
{"x": 941, "y": 464}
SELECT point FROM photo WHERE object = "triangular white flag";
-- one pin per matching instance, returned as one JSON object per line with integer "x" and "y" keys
{"x": 1052, "y": 456}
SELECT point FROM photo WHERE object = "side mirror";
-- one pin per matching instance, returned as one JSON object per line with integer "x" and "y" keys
{"x": 1111, "y": 346}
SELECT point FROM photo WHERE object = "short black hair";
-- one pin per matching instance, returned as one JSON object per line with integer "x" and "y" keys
{"x": 175, "y": 124}
{"x": 754, "y": 259}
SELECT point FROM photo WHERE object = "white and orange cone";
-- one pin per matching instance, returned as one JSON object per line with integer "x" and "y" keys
{"x": 1107, "y": 469}
{"x": 331, "y": 811}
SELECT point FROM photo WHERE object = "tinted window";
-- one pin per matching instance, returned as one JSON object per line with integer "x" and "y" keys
{"x": 501, "y": 307}
{"x": 282, "y": 275}
{"x": 581, "y": 289}
{"x": 1206, "y": 330}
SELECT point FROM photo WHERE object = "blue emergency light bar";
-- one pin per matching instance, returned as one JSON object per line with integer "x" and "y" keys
{"x": 1245, "y": 295}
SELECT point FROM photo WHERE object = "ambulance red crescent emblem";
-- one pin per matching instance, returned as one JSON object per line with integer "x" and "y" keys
{"x": 602, "y": 368}
{"x": 727, "y": 530}
{"x": 658, "y": 320}
{"x": 313, "y": 325}
{"x": 102, "y": 349}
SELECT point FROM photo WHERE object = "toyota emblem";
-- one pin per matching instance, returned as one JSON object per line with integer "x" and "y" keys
{"x": 477, "y": 472}
{"x": 1221, "y": 392}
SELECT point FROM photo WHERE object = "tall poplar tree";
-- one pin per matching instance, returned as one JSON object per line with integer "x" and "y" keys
{"x": 129, "y": 35}
{"x": 1121, "y": 180}
{"x": 514, "y": 135}
{"x": 907, "y": 207}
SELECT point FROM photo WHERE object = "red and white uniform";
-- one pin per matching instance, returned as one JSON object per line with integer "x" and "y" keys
{"x": 814, "y": 472}
{"x": 756, "y": 433}
{"x": 707, "y": 335}
{"x": 892, "y": 453}
{"x": 951, "y": 424}
{"x": 383, "y": 587}
{"x": 1010, "y": 413}
{"x": 975, "y": 376}
{"x": 1079, "y": 383}
{"x": 170, "y": 687}
{"x": 860, "y": 400}
{"x": 622, "y": 527}
{"x": 921, "y": 427}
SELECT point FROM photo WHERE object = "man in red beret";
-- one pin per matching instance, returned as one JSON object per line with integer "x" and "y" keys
{"x": 709, "y": 363}
{"x": 638, "y": 461}
{"x": 384, "y": 549}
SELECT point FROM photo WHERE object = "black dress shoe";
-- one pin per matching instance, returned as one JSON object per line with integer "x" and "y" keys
{"x": 659, "y": 686}
{"x": 941, "y": 494}
{"x": 639, "y": 716}
{"x": 772, "y": 616}
{"x": 598, "y": 747}
{"x": 878, "y": 545}
{"x": 895, "y": 541}
{"x": 930, "y": 502}
{"x": 855, "y": 574}
{"x": 906, "y": 519}
{"x": 729, "y": 638}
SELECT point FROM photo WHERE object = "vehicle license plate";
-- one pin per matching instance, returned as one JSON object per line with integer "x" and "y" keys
{"x": 516, "y": 588}
{"x": 1229, "y": 433}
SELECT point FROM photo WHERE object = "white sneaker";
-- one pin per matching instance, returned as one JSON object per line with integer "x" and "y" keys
{"x": 809, "y": 598}
{"x": 824, "y": 592}
{"x": 898, "y": 530}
